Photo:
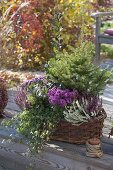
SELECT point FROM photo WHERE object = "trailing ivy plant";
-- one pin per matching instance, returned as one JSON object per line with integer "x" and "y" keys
{"x": 39, "y": 118}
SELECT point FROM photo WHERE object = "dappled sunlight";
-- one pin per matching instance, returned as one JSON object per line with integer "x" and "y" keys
{"x": 6, "y": 29}
{"x": 58, "y": 148}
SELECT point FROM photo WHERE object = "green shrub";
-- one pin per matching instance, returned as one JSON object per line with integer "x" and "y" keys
{"x": 75, "y": 70}
{"x": 108, "y": 50}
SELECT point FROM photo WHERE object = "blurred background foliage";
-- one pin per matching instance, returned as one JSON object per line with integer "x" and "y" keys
{"x": 30, "y": 31}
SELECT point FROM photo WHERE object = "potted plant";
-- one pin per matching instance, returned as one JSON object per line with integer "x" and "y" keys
{"x": 3, "y": 97}
{"x": 64, "y": 105}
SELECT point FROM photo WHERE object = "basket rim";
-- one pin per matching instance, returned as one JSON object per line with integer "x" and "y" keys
{"x": 102, "y": 115}
{"x": 68, "y": 132}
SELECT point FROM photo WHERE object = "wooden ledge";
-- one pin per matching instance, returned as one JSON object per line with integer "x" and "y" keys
{"x": 55, "y": 155}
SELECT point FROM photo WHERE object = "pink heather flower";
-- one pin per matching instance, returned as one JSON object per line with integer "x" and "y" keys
{"x": 21, "y": 99}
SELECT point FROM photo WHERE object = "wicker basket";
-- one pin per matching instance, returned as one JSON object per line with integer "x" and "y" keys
{"x": 67, "y": 132}
{"x": 3, "y": 96}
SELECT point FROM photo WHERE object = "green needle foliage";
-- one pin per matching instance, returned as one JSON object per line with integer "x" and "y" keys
{"x": 75, "y": 70}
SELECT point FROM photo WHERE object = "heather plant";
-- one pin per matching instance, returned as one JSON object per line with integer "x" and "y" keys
{"x": 83, "y": 108}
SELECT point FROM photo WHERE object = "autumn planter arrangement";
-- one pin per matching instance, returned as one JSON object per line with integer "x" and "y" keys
{"x": 65, "y": 104}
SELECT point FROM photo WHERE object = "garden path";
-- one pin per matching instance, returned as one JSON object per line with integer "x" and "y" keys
{"x": 107, "y": 98}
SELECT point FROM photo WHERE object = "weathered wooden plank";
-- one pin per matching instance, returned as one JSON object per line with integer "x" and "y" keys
{"x": 55, "y": 156}
{"x": 100, "y": 14}
{"x": 101, "y": 38}
{"x": 105, "y": 40}
{"x": 105, "y": 36}
{"x": 97, "y": 44}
